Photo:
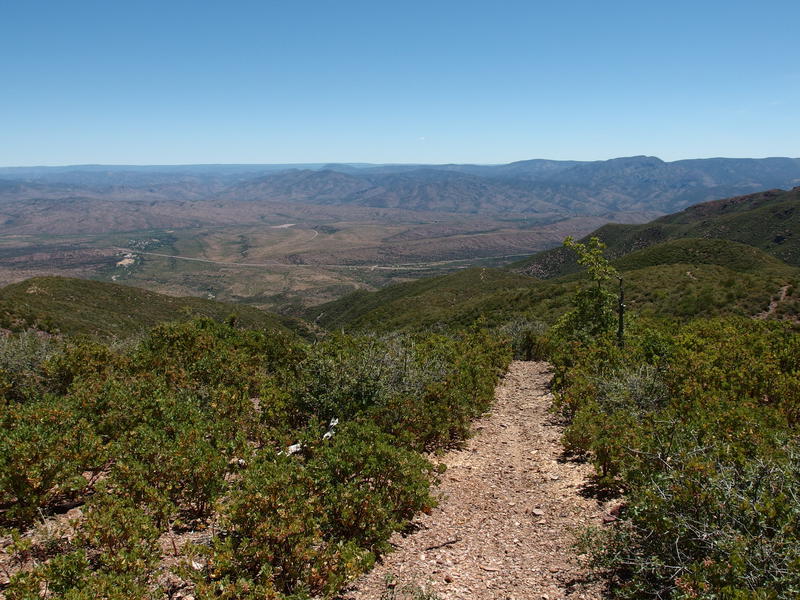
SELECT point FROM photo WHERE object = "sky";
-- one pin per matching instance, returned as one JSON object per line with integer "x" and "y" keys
{"x": 174, "y": 82}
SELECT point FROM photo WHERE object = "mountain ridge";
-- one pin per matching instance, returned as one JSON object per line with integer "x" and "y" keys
{"x": 767, "y": 220}
{"x": 632, "y": 183}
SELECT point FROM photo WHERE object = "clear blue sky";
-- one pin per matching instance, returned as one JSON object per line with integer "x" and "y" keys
{"x": 438, "y": 81}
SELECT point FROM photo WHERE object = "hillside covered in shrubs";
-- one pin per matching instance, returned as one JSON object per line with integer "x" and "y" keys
{"x": 766, "y": 220}
{"x": 71, "y": 307}
{"x": 693, "y": 426}
{"x": 238, "y": 464}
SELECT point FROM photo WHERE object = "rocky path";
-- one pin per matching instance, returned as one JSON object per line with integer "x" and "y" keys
{"x": 774, "y": 303}
{"x": 509, "y": 511}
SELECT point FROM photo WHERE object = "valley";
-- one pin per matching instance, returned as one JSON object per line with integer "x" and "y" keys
{"x": 309, "y": 261}
{"x": 289, "y": 237}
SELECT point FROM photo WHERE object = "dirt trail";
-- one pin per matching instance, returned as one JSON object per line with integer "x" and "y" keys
{"x": 774, "y": 303}
{"x": 508, "y": 514}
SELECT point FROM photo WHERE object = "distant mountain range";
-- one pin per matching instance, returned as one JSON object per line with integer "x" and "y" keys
{"x": 632, "y": 184}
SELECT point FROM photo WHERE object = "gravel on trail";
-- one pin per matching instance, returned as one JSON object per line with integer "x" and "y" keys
{"x": 509, "y": 513}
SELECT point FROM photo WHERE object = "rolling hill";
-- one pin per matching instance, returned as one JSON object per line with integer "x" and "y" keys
{"x": 426, "y": 301}
{"x": 680, "y": 278}
{"x": 241, "y": 233}
{"x": 767, "y": 220}
{"x": 62, "y": 305}
{"x": 420, "y": 189}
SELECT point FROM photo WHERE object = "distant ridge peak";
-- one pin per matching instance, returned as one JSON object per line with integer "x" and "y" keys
{"x": 639, "y": 158}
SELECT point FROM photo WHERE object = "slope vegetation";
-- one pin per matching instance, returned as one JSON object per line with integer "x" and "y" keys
{"x": 173, "y": 455}
{"x": 705, "y": 251}
{"x": 768, "y": 220}
{"x": 680, "y": 279}
{"x": 424, "y": 302}
{"x": 76, "y": 306}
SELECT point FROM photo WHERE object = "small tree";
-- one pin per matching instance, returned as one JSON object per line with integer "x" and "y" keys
{"x": 593, "y": 312}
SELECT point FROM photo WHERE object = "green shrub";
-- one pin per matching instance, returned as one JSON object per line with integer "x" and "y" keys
{"x": 340, "y": 378}
{"x": 527, "y": 337}
{"x": 21, "y": 359}
{"x": 423, "y": 390}
{"x": 84, "y": 360}
{"x": 189, "y": 424}
{"x": 44, "y": 449}
{"x": 700, "y": 527}
{"x": 369, "y": 487}
{"x": 67, "y": 572}
{"x": 115, "y": 403}
{"x": 463, "y": 388}
{"x": 121, "y": 536}
{"x": 160, "y": 469}
{"x": 273, "y": 537}
{"x": 204, "y": 354}
{"x": 593, "y": 306}
{"x": 113, "y": 558}
{"x": 696, "y": 425}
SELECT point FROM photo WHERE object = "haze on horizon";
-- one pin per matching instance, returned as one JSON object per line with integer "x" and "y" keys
{"x": 451, "y": 82}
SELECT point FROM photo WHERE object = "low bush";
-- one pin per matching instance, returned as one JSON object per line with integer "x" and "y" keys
{"x": 273, "y": 541}
{"x": 45, "y": 447}
{"x": 190, "y": 424}
{"x": 168, "y": 471}
{"x": 696, "y": 425}
{"x": 528, "y": 338}
{"x": 21, "y": 358}
{"x": 112, "y": 558}
{"x": 369, "y": 487}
